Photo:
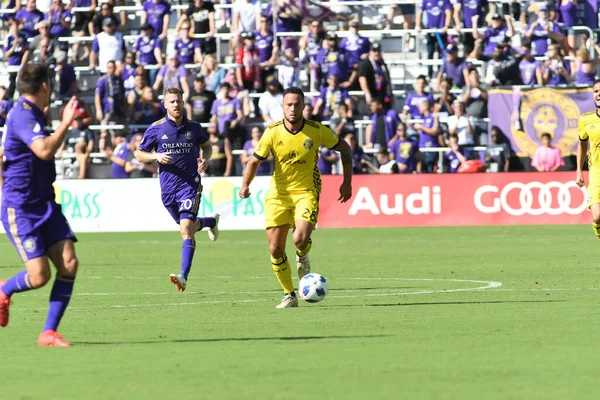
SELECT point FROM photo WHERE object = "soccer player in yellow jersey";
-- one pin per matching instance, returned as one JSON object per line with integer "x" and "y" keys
{"x": 589, "y": 131}
{"x": 293, "y": 198}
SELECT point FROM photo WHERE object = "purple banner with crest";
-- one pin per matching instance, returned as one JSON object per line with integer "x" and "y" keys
{"x": 524, "y": 114}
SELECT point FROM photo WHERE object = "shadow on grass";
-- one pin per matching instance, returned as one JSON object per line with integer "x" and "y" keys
{"x": 241, "y": 339}
{"x": 450, "y": 303}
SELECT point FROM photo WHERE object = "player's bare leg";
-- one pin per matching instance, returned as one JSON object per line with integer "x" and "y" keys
{"x": 64, "y": 259}
{"x": 303, "y": 243}
{"x": 36, "y": 275}
{"x": 595, "y": 208}
{"x": 279, "y": 262}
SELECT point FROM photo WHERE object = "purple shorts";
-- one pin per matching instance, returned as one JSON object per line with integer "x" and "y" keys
{"x": 33, "y": 229}
{"x": 184, "y": 204}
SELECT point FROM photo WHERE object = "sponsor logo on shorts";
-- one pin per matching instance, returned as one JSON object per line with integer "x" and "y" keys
{"x": 308, "y": 144}
{"x": 29, "y": 245}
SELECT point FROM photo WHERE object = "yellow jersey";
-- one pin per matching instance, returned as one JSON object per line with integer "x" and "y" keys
{"x": 295, "y": 155}
{"x": 589, "y": 129}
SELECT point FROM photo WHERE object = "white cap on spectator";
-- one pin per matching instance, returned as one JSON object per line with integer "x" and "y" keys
{"x": 61, "y": 56}
{"x": 172, "y": 54}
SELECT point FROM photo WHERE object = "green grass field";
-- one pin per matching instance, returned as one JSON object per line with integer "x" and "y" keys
{"x": 411, "y": 314}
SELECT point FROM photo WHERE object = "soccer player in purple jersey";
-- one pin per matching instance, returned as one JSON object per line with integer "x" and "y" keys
{"x": 182, "y": 148}
{"x": 33, "y": 220}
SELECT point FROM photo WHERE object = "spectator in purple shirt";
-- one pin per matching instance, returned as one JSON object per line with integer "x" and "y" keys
{"x": 542, "y": 30}
{"x": 498, "y": 33}
{"x": 358, "y": 155}
{"x": 16, "y": 51}
{"x": 356, "y": 48}
{"x": 148, "y": 45}
{"x": 310, "y": 46}
{"x": 158, "y": 14}
{"x": 110, "y": 102}
{"x": 585, "y": 67}
{"x": 470, "y": 9}
{"x": 226, "y": 111}
{"x": 328, "y": 159}
{"x": 268, "y": 48}
{"x": 172, "y": 75}
{"x": 383, "y": 126}
{"x": 28, "y": 18}
{"x": 60, "y": 21}
{"x": 439, "y": 16}
{"x": 148, "y": 110}
{"x": 405, "y": 151}
{"x": 330, "y": 99}
{"x": 453, "y": 67}
{"x": 557, "y": 70}
{"x": 5, "y": 105}
{"x": 429, "y": 136}
{"x": 331, "y": 60}
{"x": 266, "y": 166}
{"x": 568, "y": 16}
{"x": 415, "y": 98}
{"x": 531, "y": 70}
{"x": 454, "y": 156}
{"x": 187, "y": 48}
{"x": 118, "y": 158}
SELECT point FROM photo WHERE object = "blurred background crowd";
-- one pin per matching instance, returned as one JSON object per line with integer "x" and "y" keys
{"x": 405, "y": 83}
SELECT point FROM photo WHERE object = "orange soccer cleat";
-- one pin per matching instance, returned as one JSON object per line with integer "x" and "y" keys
{"x": 4, "y": 303}
{"x": 52, "y": 338}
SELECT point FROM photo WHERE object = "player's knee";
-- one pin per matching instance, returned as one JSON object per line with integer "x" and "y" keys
{"x": 70, "y": 265}
{"x": 40, "y": 278}
{"x": 301, "y": 240}
{"x": 276, "y": 250}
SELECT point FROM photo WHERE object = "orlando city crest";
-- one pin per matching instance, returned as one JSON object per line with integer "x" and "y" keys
{"x": 188, "y": 135}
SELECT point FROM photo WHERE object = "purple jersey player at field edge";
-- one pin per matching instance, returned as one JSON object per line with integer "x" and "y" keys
{"x": 182, "y": 148}
{"x": 31, "y": 217}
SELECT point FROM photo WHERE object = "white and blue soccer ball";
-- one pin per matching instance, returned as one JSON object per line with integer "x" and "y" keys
{"x": 312, "y": 288}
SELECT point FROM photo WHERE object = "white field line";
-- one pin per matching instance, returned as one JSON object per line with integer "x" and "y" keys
{"x": 487, "y": 285}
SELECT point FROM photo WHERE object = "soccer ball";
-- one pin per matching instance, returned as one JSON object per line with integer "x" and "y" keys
{"x": 312, "y": 288}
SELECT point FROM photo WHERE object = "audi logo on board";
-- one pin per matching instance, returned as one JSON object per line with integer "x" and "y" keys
{"x": 533, "y": 198}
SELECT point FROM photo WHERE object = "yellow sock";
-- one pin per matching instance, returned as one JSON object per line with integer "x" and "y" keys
{"x": 596, "y": 229}
{"x": 283, "y": 272}
{"x": 302, "y": 253}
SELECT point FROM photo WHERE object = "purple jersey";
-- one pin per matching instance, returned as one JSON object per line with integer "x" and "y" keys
{"x": 452, "y": 162}
{"x": 81, "y": 3}
{"x": 146, "y": 45}
{"x": 226, "y": 111}
{"x": 436, "y": 12}
{"x": 405, "y": 152}
{"x": 413, "y": 100}
{"x": 264, "y": 167}
{"x": 56, "y": 28}
{"x": 528, "y": 71}
{"x": 128, "y": 76}
{"x": 172, "y": 76}
{"x": 183, "y": 143}
{"x": 27, "y": 178}
{"x": 554, "y": 78}
{"x": 122, "y": 152}
{"x": 156, "y": 14}
{"x": 333, "y": 63}
{"x": 186, "y": 50}
{"x": 425, "y": 139}
{"x": 455, "y": 70}
{"x": 471, "y": 8}
{"x": 326, "y": 167}
{"x": 494, "y": 37}
{"x": 355, "y": 47}
{"x": 7, "y": 6}
{"x": 264, "y": 44}
{"x": 584, "y": 78}
{"x": 332, "y": 98}
{"x": 110, "y": 91}
{"x": 539, "y": 37}
{"x": 5, "y": 107}
{"x": 17, "y": 55}
{"x": 358, "y": 156}
{"x": 314, "y": 44}
{"x": 568, "y": 13}
{"x": 29, "y": 19}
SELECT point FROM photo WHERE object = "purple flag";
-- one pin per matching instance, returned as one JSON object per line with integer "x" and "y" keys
{"x": 524, "y": 115}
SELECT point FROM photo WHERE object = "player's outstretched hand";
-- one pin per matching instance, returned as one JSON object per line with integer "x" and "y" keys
{"x": 202, "y": 165}
{"x": 580, "y": 180}
{"x": 69, "y": 111}
{"x": 345, "y": 192}
{"x": 244, "y": 192}
{"x": 164, "y": 158}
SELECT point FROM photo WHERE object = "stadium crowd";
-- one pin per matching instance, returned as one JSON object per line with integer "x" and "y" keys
{"x": 480, "y": 45}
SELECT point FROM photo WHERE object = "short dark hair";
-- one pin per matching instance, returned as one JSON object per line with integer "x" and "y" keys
{"x": 422, "y": 77}
{"x": 294, "y": 90}
{"x": 32, "y": 77}
{"x": 547, "y": 135}
{"x": 453, "y": 136}
{"x": 173, "y": 90}
{"x": 595, "y": 82}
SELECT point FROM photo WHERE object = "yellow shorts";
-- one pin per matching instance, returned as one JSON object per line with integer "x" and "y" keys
{"x": 593, "y": 191}
{"x": 288, "y": 208}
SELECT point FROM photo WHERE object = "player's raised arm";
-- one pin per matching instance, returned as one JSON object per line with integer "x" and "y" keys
{"x": 346, "y": 186}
